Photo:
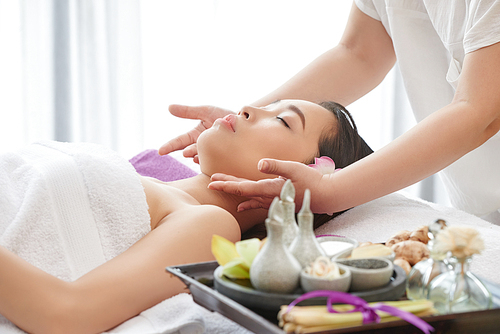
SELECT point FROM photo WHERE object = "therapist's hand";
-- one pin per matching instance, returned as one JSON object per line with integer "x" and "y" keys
{"x": 262, "y": 192}
{"x": 187, "y": 141}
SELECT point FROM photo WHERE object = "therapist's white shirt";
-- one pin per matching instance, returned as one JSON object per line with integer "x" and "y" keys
{"x": 431, "y": 39}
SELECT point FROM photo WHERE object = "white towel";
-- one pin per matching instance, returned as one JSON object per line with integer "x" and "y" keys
{"x": 67, "y": 208}
{"x": 179, "y": 315}
{"x": 378, "y": 220}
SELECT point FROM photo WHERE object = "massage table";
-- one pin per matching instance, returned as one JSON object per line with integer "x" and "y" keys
{"x": 374, "y": 221}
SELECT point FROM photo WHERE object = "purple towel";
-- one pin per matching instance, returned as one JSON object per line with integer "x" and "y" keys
{"x": 161, "y": 167}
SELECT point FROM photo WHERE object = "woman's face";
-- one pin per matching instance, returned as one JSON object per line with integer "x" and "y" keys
{"x": 285, "y": 130}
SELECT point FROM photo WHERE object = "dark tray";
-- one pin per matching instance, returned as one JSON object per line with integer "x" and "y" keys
{"x": 264, "y": 303}
{"x": 199, "y": 279}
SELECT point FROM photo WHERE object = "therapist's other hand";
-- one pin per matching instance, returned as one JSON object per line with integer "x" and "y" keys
{"x": 262, "y": 192}
{"x": 187, "y": 141}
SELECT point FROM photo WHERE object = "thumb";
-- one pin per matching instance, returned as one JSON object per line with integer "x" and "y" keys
{"x": 286, "y": 169}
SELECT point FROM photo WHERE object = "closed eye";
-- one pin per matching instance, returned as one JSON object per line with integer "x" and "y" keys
{"x": 284, "y": 122}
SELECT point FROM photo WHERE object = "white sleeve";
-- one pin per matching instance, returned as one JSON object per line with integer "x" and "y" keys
{"x": 483, "y": 25}
{"x": 368, "y": 7}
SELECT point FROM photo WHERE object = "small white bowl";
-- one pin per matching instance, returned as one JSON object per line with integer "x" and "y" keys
{"x": 367, "y": 274}
{"x": 336, "y": 245}
{"x": 312, "y": 283}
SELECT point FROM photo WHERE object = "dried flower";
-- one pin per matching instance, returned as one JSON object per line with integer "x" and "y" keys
{"x": 325, "y": 165}
{"x": 461, "y": 241}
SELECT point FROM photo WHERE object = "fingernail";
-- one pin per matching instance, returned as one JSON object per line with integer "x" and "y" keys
{"x": 263, "y": 165}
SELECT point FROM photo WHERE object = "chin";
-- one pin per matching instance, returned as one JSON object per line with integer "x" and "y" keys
{"x": 216, "y": 157}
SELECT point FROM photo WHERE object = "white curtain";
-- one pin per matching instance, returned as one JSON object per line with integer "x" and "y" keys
{"x": 106, "y": 71}
{"x": 70, "y": 71}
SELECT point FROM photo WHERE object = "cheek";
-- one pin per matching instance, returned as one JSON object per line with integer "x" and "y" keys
{"x": 282, "y": 148}
{"x": 221, "y": 152}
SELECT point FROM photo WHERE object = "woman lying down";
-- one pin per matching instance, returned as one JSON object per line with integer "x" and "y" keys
{"x": 85, "y": 240}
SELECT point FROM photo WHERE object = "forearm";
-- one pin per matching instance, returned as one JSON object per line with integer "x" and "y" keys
{"x": 433, "y": 144}
{"x": 345, "y": 73}
{"x": 337, "y": 75}
{"x": 38, "y": 302}
{"x": 29, "y": 297}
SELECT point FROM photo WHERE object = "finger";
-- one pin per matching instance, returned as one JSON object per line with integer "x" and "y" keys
{"x": 206, "y": 114}
{"x": 183, "y": 140}
{"x": 254, "y": 204}
{"x": 225, "y": 177}
{"x": 286, "y": 169}
{"x": 190, "y": 112}
{"x": 196, "y": 160}
{"x": 262, "y": 188}
{"x": 191, "y": 151}
{"x": 178, "y": 143}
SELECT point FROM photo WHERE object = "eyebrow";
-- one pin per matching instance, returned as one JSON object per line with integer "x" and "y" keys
{"x": 296, "y": 110}
{"x": 299, "y": 112}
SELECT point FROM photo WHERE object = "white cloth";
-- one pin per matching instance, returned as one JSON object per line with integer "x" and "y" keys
{"x": 184, "y": 318}
{"x": 179, "y": 315}
{"x": 67, "y": 208}
{"x": 431, "y": 39}
{"x": 378, "y": 220}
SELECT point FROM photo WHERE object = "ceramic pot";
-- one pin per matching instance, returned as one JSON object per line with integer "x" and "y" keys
{"x": 305, "y": 247}
{"x": 290, "y": 228}
{"x": 274, "y": 269}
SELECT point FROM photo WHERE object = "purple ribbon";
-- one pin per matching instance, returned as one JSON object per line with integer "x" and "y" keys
{"x": 360, "y": 305}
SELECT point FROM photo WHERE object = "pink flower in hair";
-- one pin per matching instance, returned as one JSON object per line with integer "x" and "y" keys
{"x": 325, "y": 165}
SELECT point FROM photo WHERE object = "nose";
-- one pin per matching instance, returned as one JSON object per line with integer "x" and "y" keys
{"x": 251, "y": 113}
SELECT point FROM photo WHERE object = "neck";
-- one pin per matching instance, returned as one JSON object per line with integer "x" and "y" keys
{"x": 197, "y": 187}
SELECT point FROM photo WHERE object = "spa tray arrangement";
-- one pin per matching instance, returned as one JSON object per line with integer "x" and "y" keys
{"x": 296, "y": 282}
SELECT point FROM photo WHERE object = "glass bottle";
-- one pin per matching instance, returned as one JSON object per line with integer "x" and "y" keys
{"x": 275, "y": 269}
{"x": 305, "y": 247}
{"x": 290, "y": 228}
{"x": 422, "y": 273}
{"x": 459, "y": 290}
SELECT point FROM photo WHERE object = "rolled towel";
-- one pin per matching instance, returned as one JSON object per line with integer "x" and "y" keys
{"x": 161, "y": 167}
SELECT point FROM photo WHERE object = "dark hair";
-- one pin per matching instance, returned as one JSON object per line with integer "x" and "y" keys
{"x": 342, "y": 143}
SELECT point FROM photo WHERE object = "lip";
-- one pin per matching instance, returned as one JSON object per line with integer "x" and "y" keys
{"x": 228, "y": 121}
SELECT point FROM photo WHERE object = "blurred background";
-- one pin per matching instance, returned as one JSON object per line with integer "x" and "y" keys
{"x": 105, "y": 71}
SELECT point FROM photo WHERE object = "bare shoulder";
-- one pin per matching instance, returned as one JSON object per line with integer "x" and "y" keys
{"x": 205, "y": 220}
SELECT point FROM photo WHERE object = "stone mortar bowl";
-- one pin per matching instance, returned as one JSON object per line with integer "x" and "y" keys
{"x": 312, "y": 283}
{"x": 369, "y": 273}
